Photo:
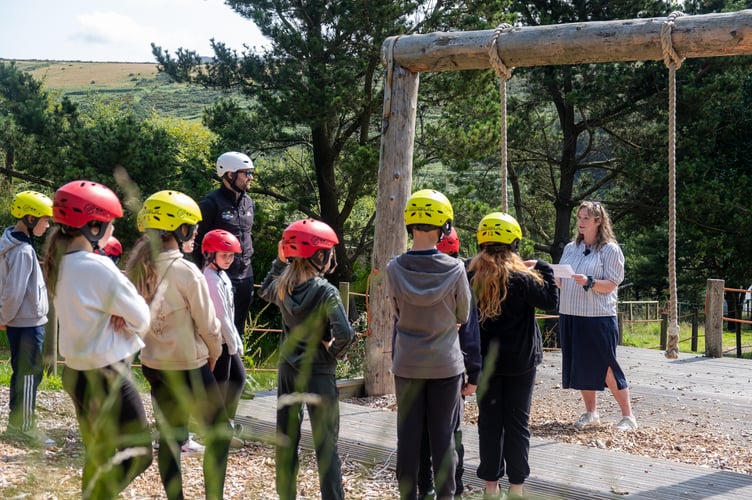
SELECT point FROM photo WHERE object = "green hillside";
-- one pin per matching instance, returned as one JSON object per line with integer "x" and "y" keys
{"x": 137, "y": 85}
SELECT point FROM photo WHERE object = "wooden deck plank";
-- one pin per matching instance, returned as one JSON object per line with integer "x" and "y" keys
{"x": 662, "y": 389}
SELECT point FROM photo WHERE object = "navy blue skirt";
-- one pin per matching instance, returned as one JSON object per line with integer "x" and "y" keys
{"x": 588, "y": 349}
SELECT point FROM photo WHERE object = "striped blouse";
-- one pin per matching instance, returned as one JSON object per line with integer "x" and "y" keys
{"x": 605, "y": 263}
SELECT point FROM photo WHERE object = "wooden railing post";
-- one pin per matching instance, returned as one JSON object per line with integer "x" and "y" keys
{"x": 695, "y": 326}
{"x": 664, "y": 331}
{"x": 344, "y": 294}
{"x": 714, "y": 319}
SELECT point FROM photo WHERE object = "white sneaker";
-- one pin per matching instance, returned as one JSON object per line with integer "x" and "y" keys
{"x": 586, "y": 419}
{"x": 627, "y": 423}
{"x": 191, "y": 447}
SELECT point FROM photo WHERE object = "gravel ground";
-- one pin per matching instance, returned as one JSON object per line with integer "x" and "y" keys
{"x": 55, "y": 473}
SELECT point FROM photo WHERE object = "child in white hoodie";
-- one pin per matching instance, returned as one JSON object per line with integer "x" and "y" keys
{"x": 101, "y": 320}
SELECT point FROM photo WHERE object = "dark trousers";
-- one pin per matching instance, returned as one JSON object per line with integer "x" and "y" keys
{"x": 113, "y": 425}
{"x": 242, "y": 290}
{"x": 503, "y": 427}
{"x": 27, "y": 370}
{"x": 430, "y": 403}
{"x": 425, "y": 469}
{"x": 321, "y": 397}
{"x": 230, "y": 374}
{"x": 176, "y": 395}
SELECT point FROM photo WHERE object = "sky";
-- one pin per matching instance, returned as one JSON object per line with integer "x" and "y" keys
{"x": 118, "y": 30}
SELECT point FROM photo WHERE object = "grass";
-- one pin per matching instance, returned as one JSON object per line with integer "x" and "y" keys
{"x": 648, "y": 335}
{"x": 257, "y": 380}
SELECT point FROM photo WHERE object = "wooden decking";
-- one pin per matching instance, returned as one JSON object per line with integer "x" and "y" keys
{"x": 662, "y": 390}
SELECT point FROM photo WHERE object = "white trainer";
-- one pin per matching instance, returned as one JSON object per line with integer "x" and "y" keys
{"x": 627, "y": 423}
{"x": 191, "y": 447}
{"x": 586, "y": 419}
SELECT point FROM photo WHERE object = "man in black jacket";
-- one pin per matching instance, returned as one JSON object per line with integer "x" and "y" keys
{"x": 230, "y": 208}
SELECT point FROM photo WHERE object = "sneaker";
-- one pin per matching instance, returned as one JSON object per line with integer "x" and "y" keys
{"x": 236, "y": 443}
{"x": 427, "y": 495}
{"x": 627, "y": 423}
{"x": 587, "y": 418}
{"x": 191, "y": 447}
{"x": 33, "y": 437}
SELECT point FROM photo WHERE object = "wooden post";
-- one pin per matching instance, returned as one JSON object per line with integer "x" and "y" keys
{"x": 695, "y": 326}
{"x": 714, "y": 319}
{"x": 344, "y": 294}
{"x": 390, "y": 237}
{"x": 664, "y": 331}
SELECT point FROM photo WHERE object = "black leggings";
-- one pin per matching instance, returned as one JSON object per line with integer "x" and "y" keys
{"x": 503, "y": 427}
{"x": 242, "y": 292}
{"x": 177, "y": 395}
{"x": 113, "y": 425}
{"x": 230, "y": 374}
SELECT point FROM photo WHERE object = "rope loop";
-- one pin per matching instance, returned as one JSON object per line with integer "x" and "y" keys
{"x": 497, "y": 63}
{"x": 671, "y": 58}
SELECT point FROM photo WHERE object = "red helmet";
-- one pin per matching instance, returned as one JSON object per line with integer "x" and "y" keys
{"x": 304, "y": 237}
{"x": 113, "y": 248}
{"x": 219, "y": 240}
{"x": 80, "y": 202}
{"x": 449, "y": 243}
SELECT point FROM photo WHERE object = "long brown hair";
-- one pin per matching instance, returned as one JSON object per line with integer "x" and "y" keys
{"x": 605, "y": 232}
{"x": 491, "y": 270}
{"x": 141, "y": 267}
{"x": 55, "y": 247}
{"x": 297, "y": 272}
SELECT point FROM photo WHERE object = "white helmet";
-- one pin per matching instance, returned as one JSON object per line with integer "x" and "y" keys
{"x": 232, "y": 161}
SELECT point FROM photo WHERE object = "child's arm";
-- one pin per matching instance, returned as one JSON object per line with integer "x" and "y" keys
{"x": 20, "y": 265}
{"x": 341, "y": 331}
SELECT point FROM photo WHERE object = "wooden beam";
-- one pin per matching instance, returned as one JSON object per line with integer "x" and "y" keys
{"x": 709, "y": 35}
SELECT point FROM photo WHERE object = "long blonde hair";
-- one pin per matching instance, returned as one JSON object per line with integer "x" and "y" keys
{"x": 55, "y": 247}
{"x": 141, "y": 267}
{"x": 491, "y": 270}
{"x": 297, "y": 272}
{"x": 605, "y": 232}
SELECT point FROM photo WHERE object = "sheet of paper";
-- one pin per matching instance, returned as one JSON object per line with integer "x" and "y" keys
{"x": 562, "y": 270}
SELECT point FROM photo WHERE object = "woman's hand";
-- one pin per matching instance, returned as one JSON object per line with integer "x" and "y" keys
{"x": 280, "y": 254}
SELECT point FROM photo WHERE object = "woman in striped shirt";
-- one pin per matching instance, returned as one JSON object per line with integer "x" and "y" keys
{"x": 588, "y": 328}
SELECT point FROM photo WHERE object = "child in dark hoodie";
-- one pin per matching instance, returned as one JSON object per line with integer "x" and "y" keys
{"x": 315, "y": 334}
{"x": 431, "y": 295}
{"x": 23, "y": 311}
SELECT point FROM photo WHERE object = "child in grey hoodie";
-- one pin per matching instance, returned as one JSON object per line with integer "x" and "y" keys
{"x": 23, "y": 311}
{"x": 431, "y": 296}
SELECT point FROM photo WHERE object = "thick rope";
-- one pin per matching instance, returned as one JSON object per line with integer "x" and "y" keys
{"x": 673, "y": 62}
{"x": 504, "y": 73}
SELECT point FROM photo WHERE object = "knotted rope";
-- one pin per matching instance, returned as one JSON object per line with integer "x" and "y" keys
{"x": 504, "y": 73}
{"x": 673, "y": 62}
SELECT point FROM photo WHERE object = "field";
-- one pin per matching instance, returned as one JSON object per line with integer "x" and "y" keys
{"x": 68, "y": 75}
{"x": 137, "y": 86}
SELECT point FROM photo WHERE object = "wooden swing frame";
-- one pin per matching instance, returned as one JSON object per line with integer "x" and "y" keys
{"x": 405, "y": 57}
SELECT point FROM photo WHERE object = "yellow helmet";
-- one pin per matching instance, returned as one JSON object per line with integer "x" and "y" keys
{"x": 167, "y": 211}
{"x": 31, "y": 203}
{"x": 499, "y": 227}
{"x": 429, "y": 207}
